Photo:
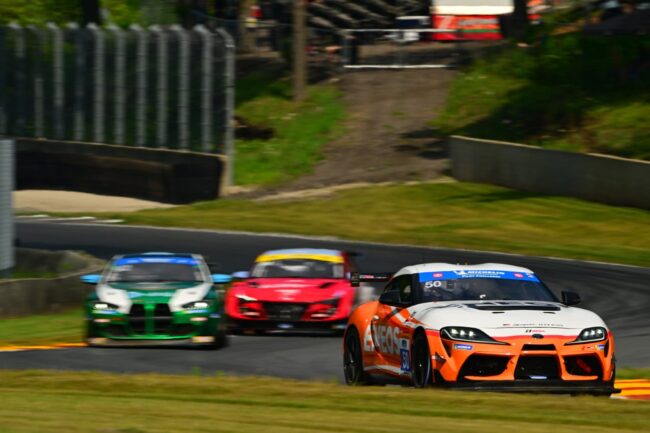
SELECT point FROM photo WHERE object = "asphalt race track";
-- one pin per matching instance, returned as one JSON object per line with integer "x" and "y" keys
{"x": 620, "y": 294}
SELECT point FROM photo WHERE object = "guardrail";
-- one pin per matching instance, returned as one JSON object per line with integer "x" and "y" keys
{"x": 599, "y": 178}
{"x": 6, "y": 208}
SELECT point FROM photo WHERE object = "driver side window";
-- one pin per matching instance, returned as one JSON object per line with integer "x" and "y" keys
{"x": 401, "y": 285}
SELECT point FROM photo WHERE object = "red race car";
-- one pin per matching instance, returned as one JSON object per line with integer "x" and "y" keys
{"x": 295, "y": 289}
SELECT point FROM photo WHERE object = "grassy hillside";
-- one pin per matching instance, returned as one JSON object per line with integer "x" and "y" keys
{"x": 569, "y": 91}
{"x": 295, "y": 131}
{"x": 458, "y": 215}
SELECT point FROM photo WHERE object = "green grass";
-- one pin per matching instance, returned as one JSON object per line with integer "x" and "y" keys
{"x": 63, "y": 327}
{"x": 568, "y": 92}
{"x": 457, "y": 215}
{"x": 36, "y": 401}
{"x": 300, "y": 129}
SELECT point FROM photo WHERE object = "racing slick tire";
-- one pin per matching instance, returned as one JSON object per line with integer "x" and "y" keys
{"x": 353, "y": 359}
{"x": 421, "y": 371}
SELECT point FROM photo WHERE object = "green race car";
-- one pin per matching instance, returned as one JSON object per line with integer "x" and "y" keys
{"x": 156, "y": 299}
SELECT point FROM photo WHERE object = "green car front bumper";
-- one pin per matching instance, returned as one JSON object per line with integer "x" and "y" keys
{"x": 154, "y": 324}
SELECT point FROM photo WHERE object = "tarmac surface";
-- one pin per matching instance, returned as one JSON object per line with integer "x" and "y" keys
{"x": 620, "y": 294}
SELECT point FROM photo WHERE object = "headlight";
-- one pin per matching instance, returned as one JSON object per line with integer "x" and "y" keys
{"x": 459, "y": 333}
{"x": 198, "y": 305}
{"x": 334, "y": 302}
{"x": 245, "y": 298}
{"x": 103, "y": 306}
{"x": 590, "y": 335}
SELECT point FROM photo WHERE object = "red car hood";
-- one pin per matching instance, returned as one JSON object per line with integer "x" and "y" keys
{"x": 291, "y": 289}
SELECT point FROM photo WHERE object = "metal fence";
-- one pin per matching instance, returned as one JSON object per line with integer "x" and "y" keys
{"x": 397, "y": 48}
{"x": 6, "y": 208}
{"x": 162, "y": 87}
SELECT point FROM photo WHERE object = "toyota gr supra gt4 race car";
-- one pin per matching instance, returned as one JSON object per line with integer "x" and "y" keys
{"x": 489, "y": 326}
{"x": 156, "y": 299}
{"x": 294, "y": 289}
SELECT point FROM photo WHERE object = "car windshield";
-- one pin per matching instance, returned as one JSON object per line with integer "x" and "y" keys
{"x": 297, "y": 268}
{"x": 503, "y": 286}
{"x": 138, "y": 270}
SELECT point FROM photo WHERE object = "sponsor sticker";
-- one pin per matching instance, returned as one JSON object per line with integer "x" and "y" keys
{"x": 173, "y": 260}
{"x": 474, "y": 273}
{"x": 285, "y": 326}
{"x": 202, "y": 339}
{"x": 463, "y": 346}
{"x": 406, "y": 360}
{"x": 600, "y": 347}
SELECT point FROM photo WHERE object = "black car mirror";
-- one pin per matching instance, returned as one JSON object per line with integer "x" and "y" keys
{"x": 570, "y": 298}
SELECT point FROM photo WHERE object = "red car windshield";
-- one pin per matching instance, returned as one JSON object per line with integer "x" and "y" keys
{"x": 297, "y": 268}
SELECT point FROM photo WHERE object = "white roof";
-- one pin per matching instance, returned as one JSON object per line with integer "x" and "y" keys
{"x": 442, "y": 267}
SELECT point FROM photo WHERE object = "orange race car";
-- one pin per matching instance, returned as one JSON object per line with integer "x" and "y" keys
{"x": 489, "y": 326}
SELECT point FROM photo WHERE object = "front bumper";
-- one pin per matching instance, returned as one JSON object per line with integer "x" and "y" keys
{"x": 136, "y": 342}
{"x": 176, "y": 328}
{"x": 538, "y": 386}
{"x": 239, "y": 325}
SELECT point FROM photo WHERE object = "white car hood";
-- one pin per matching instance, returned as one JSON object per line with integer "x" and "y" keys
{"x": 507, "y": 318}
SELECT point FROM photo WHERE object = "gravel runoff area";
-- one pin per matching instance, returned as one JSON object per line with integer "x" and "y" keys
{"x": 30, "y": 201}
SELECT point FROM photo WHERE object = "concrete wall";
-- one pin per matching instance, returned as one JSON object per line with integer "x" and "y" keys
{"x": 605, "y": 179}
{"x": 166, "y": 176}
{"x": 43, "y": 295}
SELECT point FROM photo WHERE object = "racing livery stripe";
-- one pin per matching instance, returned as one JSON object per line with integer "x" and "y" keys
{"x": 319, "y": 257}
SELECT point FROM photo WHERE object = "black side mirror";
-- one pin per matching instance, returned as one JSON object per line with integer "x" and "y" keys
{"x": 570, "y": 298}
{"x": 355, "y": 280}
{"x": 391, "y": 298}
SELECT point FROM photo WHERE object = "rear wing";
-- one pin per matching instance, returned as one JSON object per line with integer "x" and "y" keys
{"x": 357, "y": 278}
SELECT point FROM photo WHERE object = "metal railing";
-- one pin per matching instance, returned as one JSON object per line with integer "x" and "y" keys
{"x": 398, "y": 48}
{"x": 160, "y": 87}
{"x": 6, "y": 208}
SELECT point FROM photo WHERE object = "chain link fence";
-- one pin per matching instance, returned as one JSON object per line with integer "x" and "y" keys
{"x": 160, "y": 87}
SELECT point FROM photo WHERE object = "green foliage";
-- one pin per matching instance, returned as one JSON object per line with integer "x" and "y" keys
{"x": 120, "y": 12}
{"x": 569, "y": 92}
{"x": 39, "y": 12}
{"x": 299, "y": 129}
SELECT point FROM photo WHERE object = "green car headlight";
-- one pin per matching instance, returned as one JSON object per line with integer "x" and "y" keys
{"x": 104, "y": 306}
{"x": 198, "y": 305}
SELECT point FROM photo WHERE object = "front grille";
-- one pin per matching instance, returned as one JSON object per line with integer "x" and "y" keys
{"x": 116, "y": 331}
{"x": 137, "y": 319}
{"x": 532, "y": 347}
{"x": 162, "y": 319}
{"x": 284, "y": 311}
{"x": 483, "y": 365}
{"x": 583, "y": 365}
{"x": 532, "y": 367}
{"x": 181, "y": 330}
{"x": 157, "y": 321}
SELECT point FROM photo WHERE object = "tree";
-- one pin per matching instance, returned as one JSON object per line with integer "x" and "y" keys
{"x": 520, "y": 18}
{"x": 245, "y": 34}
{"x": 90, "y": 12}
